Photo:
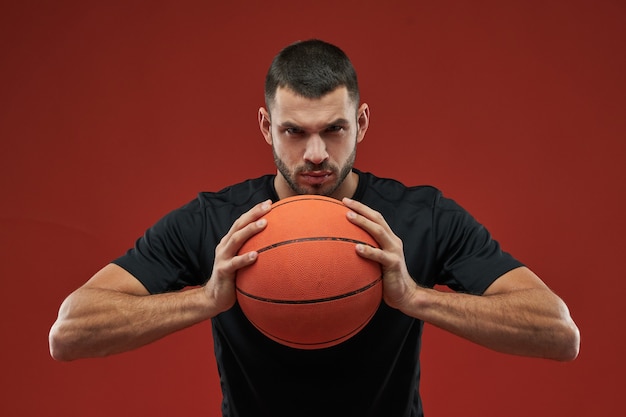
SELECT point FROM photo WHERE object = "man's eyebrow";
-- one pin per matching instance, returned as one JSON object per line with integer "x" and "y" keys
{"x": 289, "y": 124}
{"x": 337, "y": 122}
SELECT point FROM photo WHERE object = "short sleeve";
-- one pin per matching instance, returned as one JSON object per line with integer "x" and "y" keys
{"x": 471, "y": 259}
{"x": 170, "y": 255}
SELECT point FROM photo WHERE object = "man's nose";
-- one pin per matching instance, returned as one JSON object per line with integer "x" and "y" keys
{"x": 315, "y": 150}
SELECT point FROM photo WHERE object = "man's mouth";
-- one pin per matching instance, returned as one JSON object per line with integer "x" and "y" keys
{"x": 315, "y": 177}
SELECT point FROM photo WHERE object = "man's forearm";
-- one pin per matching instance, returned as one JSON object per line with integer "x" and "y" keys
{"x": 96, "y": 322}
{"x": 529, "y": 322}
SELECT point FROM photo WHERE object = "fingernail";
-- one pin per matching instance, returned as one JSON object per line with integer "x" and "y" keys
{"x": 261, "y": 222}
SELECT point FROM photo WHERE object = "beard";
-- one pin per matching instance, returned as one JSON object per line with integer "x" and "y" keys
{"x": 340, "y": 173}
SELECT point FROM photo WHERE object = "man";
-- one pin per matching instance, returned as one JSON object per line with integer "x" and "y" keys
{"x": 313, "y": 120}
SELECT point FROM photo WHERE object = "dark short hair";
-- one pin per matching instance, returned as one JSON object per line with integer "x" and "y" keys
{"x": 312, "y": 69}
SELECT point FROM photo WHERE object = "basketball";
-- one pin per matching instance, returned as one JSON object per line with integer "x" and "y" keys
{"x": 308, "y": 288}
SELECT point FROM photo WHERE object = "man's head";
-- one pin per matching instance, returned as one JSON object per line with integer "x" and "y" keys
{"x": 313, "y": 120}
{"x": 310, "y": 69}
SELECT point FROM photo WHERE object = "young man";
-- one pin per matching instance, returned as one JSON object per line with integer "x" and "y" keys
{"x": 313, "y": 120}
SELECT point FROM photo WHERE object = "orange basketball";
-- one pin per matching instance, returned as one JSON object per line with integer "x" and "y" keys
{"x": 308, "y": 288}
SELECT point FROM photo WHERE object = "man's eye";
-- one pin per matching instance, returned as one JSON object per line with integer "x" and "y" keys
{"x": 293, "y": 131}
{"x": 333, "y": 129}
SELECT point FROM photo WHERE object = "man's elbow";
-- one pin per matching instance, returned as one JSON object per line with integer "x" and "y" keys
{"x": 569, "y": 341}
{"x": 573, "y": 349}
{"x": 59, "y": 345}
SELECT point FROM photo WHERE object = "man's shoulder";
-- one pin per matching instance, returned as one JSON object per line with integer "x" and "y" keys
{"x": 394, "y": 191}
{"x": 226, "y": 204}
{"x": 245, "y": 193}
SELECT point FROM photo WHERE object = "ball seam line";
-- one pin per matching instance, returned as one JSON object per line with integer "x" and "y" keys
{"x": 312, "y": 301}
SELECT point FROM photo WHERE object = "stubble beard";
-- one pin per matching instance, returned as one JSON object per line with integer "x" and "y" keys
{"x": 322, "y": 189}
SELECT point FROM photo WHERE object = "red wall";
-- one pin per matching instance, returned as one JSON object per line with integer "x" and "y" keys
{"x": 113, "y": 113}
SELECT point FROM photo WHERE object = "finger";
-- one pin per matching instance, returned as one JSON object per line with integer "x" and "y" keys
{"x": 241, "y": 261}
{"x": 236, "y": 240}
{"x": 371, "y": 253}
{"x": 251, "y": 215}
{"x": 359, "y": 207}
{"x": 367, "y": 212}
{"x": 371, "y": 221}
{"x": 247, "y": 225}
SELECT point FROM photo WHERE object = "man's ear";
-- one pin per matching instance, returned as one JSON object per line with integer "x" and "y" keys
{"x": 265, "y": 125}
{"x": 363, "y": 121}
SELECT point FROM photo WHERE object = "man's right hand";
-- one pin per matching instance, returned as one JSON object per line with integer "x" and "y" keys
{"x": 220, "y": 289}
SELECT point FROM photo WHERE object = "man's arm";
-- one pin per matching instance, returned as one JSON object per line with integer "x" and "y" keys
{"x": 114, "y": 313}
{"x": 518, "y": 313}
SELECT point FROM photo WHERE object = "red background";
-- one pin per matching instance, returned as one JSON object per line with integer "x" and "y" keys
{"x": 114, "y": 112}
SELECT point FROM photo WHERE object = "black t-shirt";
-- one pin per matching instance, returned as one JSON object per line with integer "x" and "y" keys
{"x": 376, "y": 372}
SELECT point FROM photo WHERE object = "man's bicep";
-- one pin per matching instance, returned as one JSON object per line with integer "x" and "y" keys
{"x": 520, "y": 278}
{"x": 115, "y": 278}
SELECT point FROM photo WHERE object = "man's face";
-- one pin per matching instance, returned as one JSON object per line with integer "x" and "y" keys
{"x": 314, "y": 141}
